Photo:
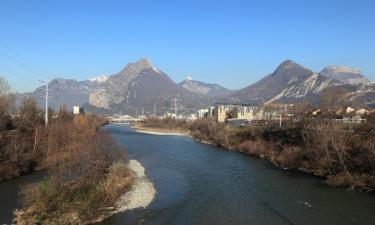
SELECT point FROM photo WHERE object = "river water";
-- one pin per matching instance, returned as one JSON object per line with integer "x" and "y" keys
{"x": 203, "y": 184}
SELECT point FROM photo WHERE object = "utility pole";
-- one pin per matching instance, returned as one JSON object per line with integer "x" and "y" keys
{"x": 46, "y": 111}
{"x": 175, "y": 106}
{"x": 46, "y": 97}
{"x": 154, "y": 109}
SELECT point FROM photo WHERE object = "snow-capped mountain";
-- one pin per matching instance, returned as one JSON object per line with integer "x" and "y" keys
{"x": 99, "y": 79}
{"x": 291, "y": 83}
{"x": 345, "y": 74}
{"x": 202, "y": 88}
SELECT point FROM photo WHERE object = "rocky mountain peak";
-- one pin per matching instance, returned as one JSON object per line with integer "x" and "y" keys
{"x": 288, "y": 65}
{"x": 347, "y": 75}
{"x": 201, "y": 88}
{"x": 139, "y": 66}
{"x": 144, "y": 62}
{"x": 289, "y": 71}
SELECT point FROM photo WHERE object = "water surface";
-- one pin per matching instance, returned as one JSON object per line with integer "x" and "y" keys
{"x": 203, "y": 184}
{"x": 10, "y": 198}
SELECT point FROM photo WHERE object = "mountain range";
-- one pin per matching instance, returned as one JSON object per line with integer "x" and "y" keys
{"x": 202, "y": 88}
{"x": 292, "y": 83}
{"x": 141, "y": 88}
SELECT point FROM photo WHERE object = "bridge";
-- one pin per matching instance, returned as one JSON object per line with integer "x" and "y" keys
{"x": 126, "y": 119}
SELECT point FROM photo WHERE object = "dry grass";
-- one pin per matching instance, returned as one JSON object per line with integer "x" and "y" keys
{"x": 77, "y": 203}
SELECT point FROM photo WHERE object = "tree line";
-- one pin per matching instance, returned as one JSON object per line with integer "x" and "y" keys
{"x": 86, "y": 169}
{"x": 343, "y": 153}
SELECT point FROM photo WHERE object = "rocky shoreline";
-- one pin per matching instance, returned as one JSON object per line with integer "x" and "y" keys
{"x": 141, "y": 194}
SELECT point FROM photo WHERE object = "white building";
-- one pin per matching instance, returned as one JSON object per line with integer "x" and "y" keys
{"x": 202, "y": 113}
{"x": 78, "y": 110}
{"x": 225, "y": 111}
{"x": 211, "y": 111}
{"x": 192, "y": 117}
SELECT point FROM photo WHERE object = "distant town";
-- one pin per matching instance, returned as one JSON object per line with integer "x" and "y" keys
{"x": 245, "y": 115}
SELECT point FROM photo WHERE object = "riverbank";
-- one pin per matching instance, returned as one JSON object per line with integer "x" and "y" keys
{"x": 141, "y": 193}
{"x": 124, "y": 188}
{"x": 140, "y": 128}
{"x": 29, "y": 146}
{"x": 189, "y": 176}
{"x": 87, "y": 174}
{"x": 325, "y": 149}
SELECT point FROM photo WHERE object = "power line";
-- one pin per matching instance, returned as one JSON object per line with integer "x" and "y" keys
{"x": 39, "y": 76}
{"x": 18, "y": 60}
{"x": 22, "y": 64}
{"x": 16, "y": 74}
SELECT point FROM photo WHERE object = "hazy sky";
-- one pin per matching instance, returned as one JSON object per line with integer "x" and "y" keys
{"x": 233, "y": 43}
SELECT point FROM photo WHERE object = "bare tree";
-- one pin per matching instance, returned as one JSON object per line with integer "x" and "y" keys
{"x": 29, "y": 115}
{"x": 6, "y": 104}
{"x": 4, "y": 87}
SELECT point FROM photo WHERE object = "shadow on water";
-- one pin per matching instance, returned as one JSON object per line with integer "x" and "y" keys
{"x": 9, "y": 194}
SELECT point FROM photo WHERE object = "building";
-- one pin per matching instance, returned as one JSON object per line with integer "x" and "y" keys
{"x": 272, "y": 115}
{"x": 211, "y": 111}
{"x": 78, "y": 110}
{"x": 168, "y": 114}
{"x": 223, "y": 112}
{"x": 207, "y": 112}
{"x": 353, "y": 120}
{"x": 202, "y": 113}
{"x": 192, "y": 117}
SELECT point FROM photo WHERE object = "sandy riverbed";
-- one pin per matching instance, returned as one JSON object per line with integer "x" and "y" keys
{"x": 159, "y": 131}
{"x": 142, "y": 192}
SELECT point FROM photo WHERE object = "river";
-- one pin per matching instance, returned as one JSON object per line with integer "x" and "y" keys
{"x": 203, "y": 184}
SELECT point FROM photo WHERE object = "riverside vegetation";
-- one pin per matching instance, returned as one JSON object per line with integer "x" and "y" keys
{"x": 86, "y": 170}
{"x": 342, "y": 153}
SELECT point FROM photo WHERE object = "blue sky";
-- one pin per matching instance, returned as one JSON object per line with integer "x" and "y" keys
{"x": 233, "y": 43}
